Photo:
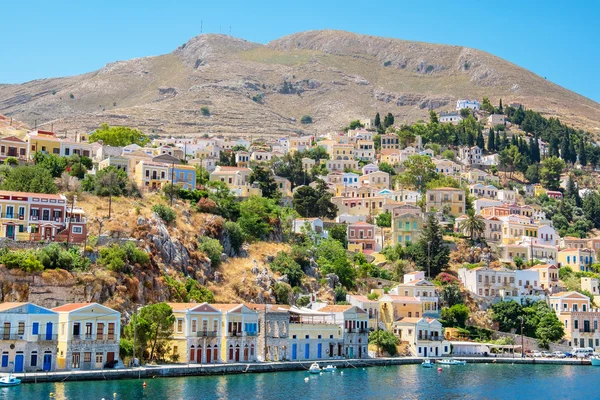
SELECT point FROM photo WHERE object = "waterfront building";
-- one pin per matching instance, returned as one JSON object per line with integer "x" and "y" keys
{"x": 239, "y": 329}
{"x": 579, "y": 321}
{"x": 196, "y": 333}
{"x": 355, "y": 322}
{"x": 314, "y": 335}
{"x": 88, "y": 336}
{"x": 424, "y": 336}
{"x": 28, "y": 339}
{"x": 392, "y": 307}
{"x": 273, "y": 329}
{"x": 370, "y": 306}
{"x": 421, "y": 289}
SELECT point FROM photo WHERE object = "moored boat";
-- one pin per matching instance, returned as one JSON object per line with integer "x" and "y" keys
{"x": 595, "y": 361}
{"x": 449, "y": 361}
{"x": 427, "y": 364}
{"x": 330, "y": 368}
{"x": 314, "y": 368}
{"x": 9, "y": 380}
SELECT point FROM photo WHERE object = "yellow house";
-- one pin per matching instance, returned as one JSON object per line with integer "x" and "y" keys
{"x": 440, "y": 198}
{"x": 421, "y": 289}
{"x": 88, "y": 336}
{"x": 407, "y": 224}
{"x": 151, "y": 175}
{"x": 12, "y": 146}
{"x": 577, "y": 259}
{"x": 196, "y": 333}
{"x": 239, "y": 331}
{"x": 44, "y": 141}
{"x": 392, "y": 307}
{"x": 538, "y": 190}
{"x": 314, "y": 335}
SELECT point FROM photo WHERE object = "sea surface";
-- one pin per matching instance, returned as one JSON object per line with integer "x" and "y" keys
{"x": 472, "y": 381}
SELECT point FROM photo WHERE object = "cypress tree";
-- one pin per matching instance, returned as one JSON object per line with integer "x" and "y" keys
{"x": 377, "y": 121}
{"x": 504, "y": 140}
{"x": 480, "y": 140}
{"x": 500, "y": 110}
{"x": 582, "y": 154}
{"x": 491, "y": 139}
{"x": 499, "y": 145}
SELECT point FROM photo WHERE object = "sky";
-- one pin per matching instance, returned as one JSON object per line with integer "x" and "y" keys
{"x": 555, "y": 39}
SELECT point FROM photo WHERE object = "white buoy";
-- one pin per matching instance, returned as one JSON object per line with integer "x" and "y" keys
{"x": 342, "y": 372}
{"x": 306, "y": 379}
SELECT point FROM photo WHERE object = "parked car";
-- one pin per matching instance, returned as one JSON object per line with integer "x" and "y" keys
{"x": 558, "y": 354}
{"x": 536, "y": 354}
{"x": 547, "y": 354}
{"x": 582, "y": 352}
{"x": 111, "y": 364}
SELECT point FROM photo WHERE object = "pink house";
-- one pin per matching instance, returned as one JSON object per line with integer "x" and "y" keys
{"x": 361, "y": 237}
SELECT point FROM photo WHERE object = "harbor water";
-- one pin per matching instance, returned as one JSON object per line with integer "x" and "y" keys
{"x": 472, "y": 381}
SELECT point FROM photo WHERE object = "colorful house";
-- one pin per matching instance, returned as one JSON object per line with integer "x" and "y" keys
{"x": 239, "y": 330}
{"x": 88, "y": 336}
{"x": 28, "y": 338}
{"x": 577, "y": 259}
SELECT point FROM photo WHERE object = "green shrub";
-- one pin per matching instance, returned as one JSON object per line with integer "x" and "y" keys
{"x": 306, "y": 119}
{"x": 165, "y": 213}
{"x": 282, "y": 292}
{"x": 11, "y": 161}
{"x": 190, "y": 290}
{"x": 235, "y": 234}
{"x": 53, "y": 256}
{"x": 212, "y": 248}
{"x": 285, "y": 265}
{"x": 340, "y": 294}
{"x": 205, "y": 111}
{"x": 303, "y": 301}
{"x": 118, "y": 258}
{"x": 25, "y": 260}
{"x": 386, "y": 341}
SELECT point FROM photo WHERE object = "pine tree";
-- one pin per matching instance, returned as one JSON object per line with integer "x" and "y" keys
{"x": 505, "y": 141}
{"x": 377, "y": 121}
{"x": 534, "y": 150}
{"x": 572, "y": 192}
{"x": 498, "y": 143}
{"x": 432, "y": 253}
{"x": 500, "y": 110}
{"x": 491, "y": 145}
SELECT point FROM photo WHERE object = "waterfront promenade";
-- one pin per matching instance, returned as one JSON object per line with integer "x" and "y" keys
{"x": 174, "y": 370}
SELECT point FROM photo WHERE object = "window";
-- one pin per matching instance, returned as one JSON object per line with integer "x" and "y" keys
{"x": 34, "y": 358}
{"x": 179, "y": 325}
{"x": 21, "y": 328}
{"x": 87, "y": 356}
{"x": 194, "y": 327}
{"x": 77, "y": 230}
{"x": 111, "y": 331}
{"x": 35, "y": 327}
{"x": 99, "y": 357}
{"x": 100, "y": 329}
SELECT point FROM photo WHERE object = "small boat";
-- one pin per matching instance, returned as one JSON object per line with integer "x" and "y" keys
{"x": 330, "y": 368}
{"x": 427, "y": 364}
{"x": 449, "y": 361}
{"x": 9, "y": 380}
{"x": 314, "y": 368}
{"x": 595, "y": 361}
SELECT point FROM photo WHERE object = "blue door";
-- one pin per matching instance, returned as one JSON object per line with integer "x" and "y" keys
{"x": 10, "y": 231}
{"x": 319, "y": 347}
{"x": 425, "y": 351}
{"x": 294, "y": 352}
{"x": 5, "y": 360}
{"x": 49, "y": 331}
{"x": 307, "y": 351}
{"x": 19, "y": 363}
{"x": 47, "y": 362}
{"x": 351, "y": 353}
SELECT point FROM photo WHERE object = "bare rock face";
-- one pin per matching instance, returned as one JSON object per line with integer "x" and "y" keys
{"x": 172, "y": 251}
{"x": 332, "y": 280}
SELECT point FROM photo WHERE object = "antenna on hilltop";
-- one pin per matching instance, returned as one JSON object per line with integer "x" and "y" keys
{"x": 200, "y": 26}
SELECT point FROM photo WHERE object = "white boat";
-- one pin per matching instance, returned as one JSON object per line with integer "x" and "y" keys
{"x": 330, "y": 368}
{"x": 595, "y": 361}
{"x": 9, "y": 380}
{"x": 427, "y": 364}
{"x": 314, "y": 368}
{"x": 449, "y": 361}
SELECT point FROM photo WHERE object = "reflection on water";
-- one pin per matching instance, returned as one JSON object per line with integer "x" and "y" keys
{"x": 474, "y": 381}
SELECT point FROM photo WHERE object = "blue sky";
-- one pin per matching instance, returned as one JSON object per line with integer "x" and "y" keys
{"x": 556, "y": 40}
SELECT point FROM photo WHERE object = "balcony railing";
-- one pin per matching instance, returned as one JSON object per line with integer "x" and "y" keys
{"x": 92, "y": 337}
{"x": 253, "y": 333}
{"x": 349, "y": 330}
{"x": 431, "y": 338}
{"x": 11, "y": 336}
{"x": 12, "y": 216}
{"x": 234, "y": 333}
{"x": 583, "y": 330}
{"x": 47, "y": 338}
{"x": 206, "y": 333}
{"x": 363, "y": 330}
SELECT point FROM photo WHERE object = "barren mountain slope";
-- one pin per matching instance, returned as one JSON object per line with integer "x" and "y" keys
{"x": 332, "y": 76}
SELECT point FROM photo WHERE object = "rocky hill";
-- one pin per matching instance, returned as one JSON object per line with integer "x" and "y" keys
{"x": 250, "y": 88}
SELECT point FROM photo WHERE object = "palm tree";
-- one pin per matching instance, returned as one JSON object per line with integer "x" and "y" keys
{"x": 473, "y": 224}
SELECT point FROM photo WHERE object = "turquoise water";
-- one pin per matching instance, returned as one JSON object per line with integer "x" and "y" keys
{"x": 474, "y": 381}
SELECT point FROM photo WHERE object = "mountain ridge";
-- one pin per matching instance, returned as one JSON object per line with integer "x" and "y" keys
{"x": 251, "y": 88}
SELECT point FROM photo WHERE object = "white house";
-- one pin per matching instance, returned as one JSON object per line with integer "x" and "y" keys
{"x": 470, "y": 104}
{"x": 424, "y": 336}
{"x": 305, "y": 225}
{"x": 450, "y": 117}
{"x": 369, "y": 168}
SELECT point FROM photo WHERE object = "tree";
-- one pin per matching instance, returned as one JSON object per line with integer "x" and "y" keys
{"x": 338, "y": 232}
{"x": 474, "y": 224}
{"x": 507, "y": 314}
{"x": 387, "y": 341}
{"x": 331, "y": 258}
{"x": 450, "y": 295}
{"x": 29, "y": 178}
{"x": 306, "y": 119}
{"x": 480, "y": 141}
{"x": 386, "y": 167}
{"x": 388, "y": 120}
{"x": 266, "y": 182}
{"x": 550, "y": 171}
{"x": 152, "y": 326}
{"x": 550, "y": 329}
{"x": 205, "y": 111}
{"x": 355, "y": 124}
{"x": 377, "y": 120}
{"x": 431, "y": 251}
{"x": 118, "y": 136}
{"x": 418, "y": 171}
{"x": 259, "y": 217}
{"x": 384, "y": 220}
{"x": 533, "y": 173}
{"x": 455, "y": 316}
{"x": 486, "y": 105}
{"x": 491, "y": 140}
{"x": 316, "y": 202}
{"x": 286, "y": 265}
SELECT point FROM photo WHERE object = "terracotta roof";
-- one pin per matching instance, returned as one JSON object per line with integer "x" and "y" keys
{"x": 13, "y": 139}
{"x": 9, "y": 305}
{"x": 71, "y": 307}
{"x": 30, "y": 194}
{"x": 407, "y": 299}
{"x": 361, "y": 223}
{"x": 226, "y": 307}
{"x": 446, "y": 189}
{"x": 362, "y": 298}
{"x": 564, "y": 294}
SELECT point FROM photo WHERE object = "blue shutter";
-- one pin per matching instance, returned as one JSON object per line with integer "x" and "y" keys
{"x": 35, "y": 328}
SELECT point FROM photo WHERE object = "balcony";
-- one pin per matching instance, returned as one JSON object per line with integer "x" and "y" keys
{"x": 363, "y": 330}
{"x": 349, "y": 330}
{"x": 590, "y": 331}
{"x": 234, "y": 334}
{"x": 12, "y": 216}
{"x": 12, "y": 336}
{"x": 250, "y": 334}
{"x": 430, "y": 338}
{"x": 206, "y": 334}
{"x": 93, "y": 338}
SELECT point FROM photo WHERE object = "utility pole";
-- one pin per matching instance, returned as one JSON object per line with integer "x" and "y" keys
{"x": 429, "y": 259}
{"x": 172, "y": 177}
{"x": 522, "y": 340}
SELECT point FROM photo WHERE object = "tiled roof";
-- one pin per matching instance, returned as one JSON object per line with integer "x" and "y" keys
{"x": 336, "y": 308}
{"x": 9, "y": 305}
{"x": 71, "y": 307}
